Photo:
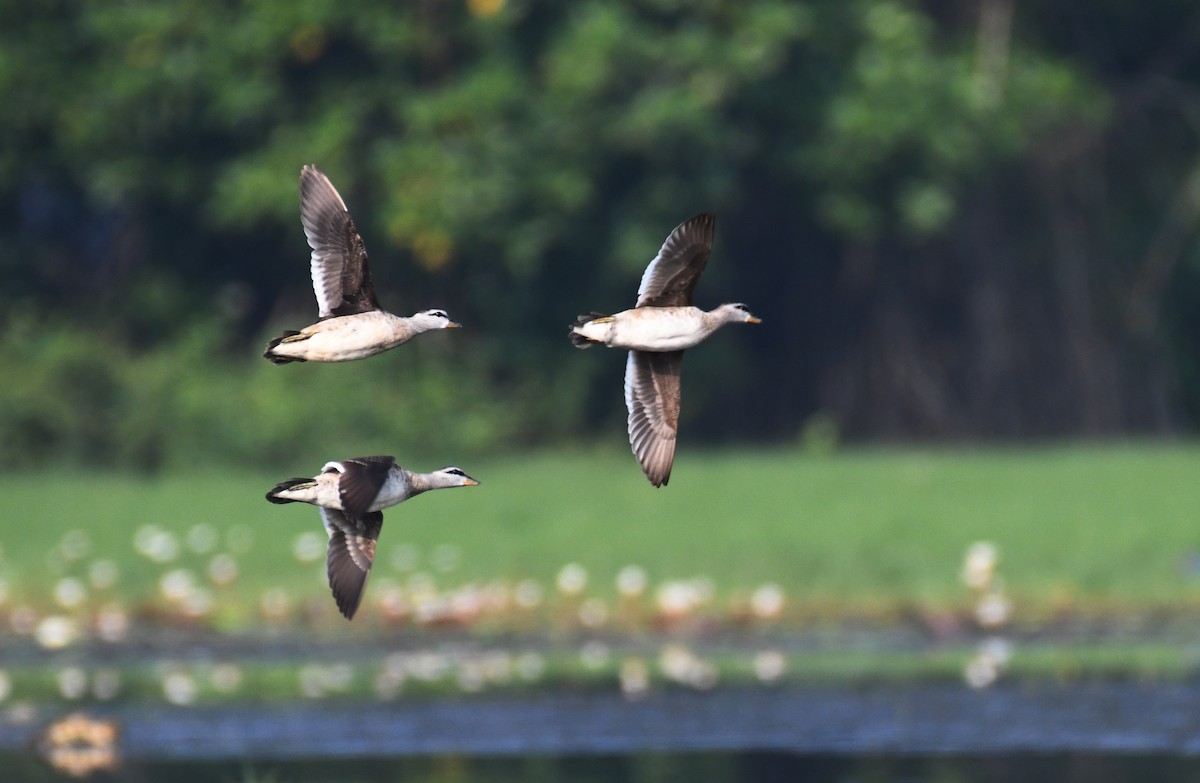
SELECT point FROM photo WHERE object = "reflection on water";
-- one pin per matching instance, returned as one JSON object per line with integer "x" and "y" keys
{"x": 653, "y": 768}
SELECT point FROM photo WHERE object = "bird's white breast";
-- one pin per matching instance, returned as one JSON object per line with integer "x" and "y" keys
{"x": 350, "y": 337}
{"x": 658, "y": 328}
{"x": 393, "y": 491}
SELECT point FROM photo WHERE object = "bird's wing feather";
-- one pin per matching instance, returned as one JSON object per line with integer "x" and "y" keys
{"x": 361, "y": 480}
{"x": 349, "y": 556}
{"x": 341, "y": 275}
{"x": 652, "y": 397}
{"x": 672, "y": 275}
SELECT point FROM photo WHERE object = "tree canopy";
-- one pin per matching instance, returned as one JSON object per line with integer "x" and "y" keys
{"x": 957, "y": 221}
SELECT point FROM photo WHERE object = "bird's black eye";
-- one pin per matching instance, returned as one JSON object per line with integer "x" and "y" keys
{"x": 456, "y": 472}
{"x": 439, "y": 313}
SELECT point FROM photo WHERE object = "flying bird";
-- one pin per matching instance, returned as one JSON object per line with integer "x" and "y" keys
{"x": 656, "y": 332}
{"x": 352, "y": 494}
{"x": 352, "y": 324}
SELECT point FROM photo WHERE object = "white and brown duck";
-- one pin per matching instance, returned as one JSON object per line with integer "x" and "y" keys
{"x": 352, "y": 323}
{"x": 656, "y": 332}
{"x": 352, "y": 494}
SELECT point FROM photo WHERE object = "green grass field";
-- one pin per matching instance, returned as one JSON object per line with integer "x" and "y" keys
{"x": 1104, "y": 529}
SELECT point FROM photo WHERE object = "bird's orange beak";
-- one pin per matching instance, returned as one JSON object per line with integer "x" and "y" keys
{"x": 753, "y": 320}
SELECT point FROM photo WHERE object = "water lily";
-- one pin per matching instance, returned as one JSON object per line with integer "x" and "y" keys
{"x": 572, "y": 579}
{"x": 634, "y": 677}
{"x": 631, "y": 581}
{"x": 770, "y": 665}
{"x": 766, "y": 602}
{"x": 69, "y": 592}
{"x": 202, "y": 538}
{"x": 179, "y": 688}
{"x": 56, "y": 631}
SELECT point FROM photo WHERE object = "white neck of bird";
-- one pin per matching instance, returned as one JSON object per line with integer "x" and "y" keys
{"x": 422, "y": 482}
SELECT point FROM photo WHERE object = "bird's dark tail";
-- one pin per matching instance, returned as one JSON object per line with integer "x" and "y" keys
{"x": 577, "y": 339}
{"x": 284, "y": 486}
{"x": 276, "y": 358}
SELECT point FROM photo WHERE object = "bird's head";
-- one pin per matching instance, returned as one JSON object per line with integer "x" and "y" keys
{"x": 737, "y": 313}
{"x": 428, "y": 320}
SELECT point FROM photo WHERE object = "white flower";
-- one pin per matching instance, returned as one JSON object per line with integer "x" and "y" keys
{"x": 75, "y": 545}
{"x": 994, "y": 609}
{"x": 198, "y": 603}
{"x": 680, "y": 664}
{"x": 226, "y": 677}
{"x": 767, "y": 601}
{"x": 179, "y": 688}
{"x": 635, "y": 678}
{"x": 103, "y": 574}
{"x": 996, "y": 649}
{"x": 428, "y": 666}
{"x": 154, "y": 543}
{"x": 312, "y": 680}
{"x": 594, "y": 655}
{"x": 56, "y": 632}
{"x": 676, "y": 662}
{"x": 69, "y": 592}
{"x": 572, "y": 579}
{"x": 631, "y": 581}
{"x": 72, "y": 682}
{"x": 979, "y": 565}
{"x": 388, "y": 684}
{"x": 593, "y": 613}
{"x": 275, "y": 603}
{"x": 530, "y": 666}
{"x": 339, "y": 677}
{"x": 112, "y": 623}
{"x": 498, "y": 667}
{"x": 528, "y": 594}
{"x": 143, "y": 539}
{"x": 988, "y": 662}
{"x": 222, "y": 570}
{"x": 677, "y": 598}
{"x": 981, "y": 672}
{"x": 470, "y": 676}
{"x": 769, "y": 665}
{"x": 176, "y": 585}
{"x": 202, "y": 538}
{"x": 106, "y": 684}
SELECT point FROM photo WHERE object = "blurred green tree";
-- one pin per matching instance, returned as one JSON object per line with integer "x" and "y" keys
{"x": 956, "y": 222}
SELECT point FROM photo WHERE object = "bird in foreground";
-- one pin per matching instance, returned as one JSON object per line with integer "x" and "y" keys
{"x": 352, "y": 325}
{"x": 352, "y": 494}
{"x": 656, "y": 331}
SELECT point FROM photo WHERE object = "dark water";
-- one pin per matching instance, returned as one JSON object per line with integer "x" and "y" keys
{"x": 938, "y": 733}
{"x": 750, "y": 767}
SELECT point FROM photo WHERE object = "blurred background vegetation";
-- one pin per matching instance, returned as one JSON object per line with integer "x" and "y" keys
{"x": 958, "y": 221}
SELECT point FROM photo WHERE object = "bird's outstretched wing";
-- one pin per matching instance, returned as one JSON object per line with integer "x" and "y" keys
{"x": 672, "y": 275}
{"x": 349, "y": 556}
{"x": 360, "y": 482}
{"x": 340, "y": 274}
{"x": 652, "y": 397}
